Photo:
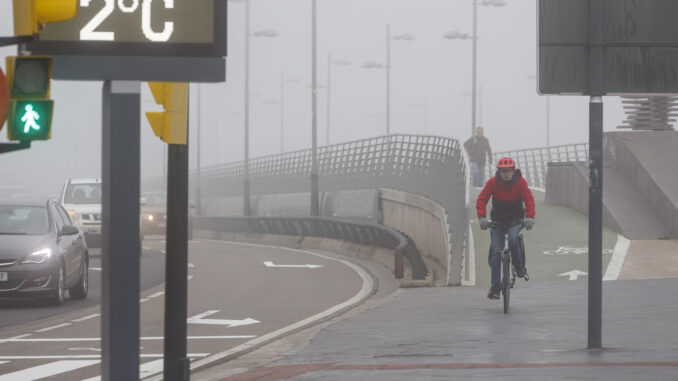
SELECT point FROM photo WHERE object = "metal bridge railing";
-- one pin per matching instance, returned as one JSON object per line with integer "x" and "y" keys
{"x": 364, "y": 233}
{"x": 533, "y": 163}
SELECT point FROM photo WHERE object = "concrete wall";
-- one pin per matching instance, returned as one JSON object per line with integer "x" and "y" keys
{"x": 426, "y": 223}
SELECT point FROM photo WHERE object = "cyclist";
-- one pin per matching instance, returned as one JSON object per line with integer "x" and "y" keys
{"x": 509, "y": 191}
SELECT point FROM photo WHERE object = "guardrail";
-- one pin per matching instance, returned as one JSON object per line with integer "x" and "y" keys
{"x": 364, "y": 233}
{"x": 533, "y": 162}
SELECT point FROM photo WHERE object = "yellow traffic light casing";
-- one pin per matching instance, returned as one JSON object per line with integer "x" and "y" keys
{"x": 30, "y": 14}
{"x": 171, "y": 125}
{"x": 30, "y": 110}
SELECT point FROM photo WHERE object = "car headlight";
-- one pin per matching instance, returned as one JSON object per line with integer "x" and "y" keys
{"x": 40, "y": 256}
{"x": 148, "y": 217}
{"x": 73, "y": 214}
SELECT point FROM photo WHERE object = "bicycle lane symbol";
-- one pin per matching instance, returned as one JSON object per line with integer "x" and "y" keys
{"x": 569, "y": 250}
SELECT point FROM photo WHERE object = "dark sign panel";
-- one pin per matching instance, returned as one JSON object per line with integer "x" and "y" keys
{"x": 640, "y": 46}
{"x": 195, "y": 28}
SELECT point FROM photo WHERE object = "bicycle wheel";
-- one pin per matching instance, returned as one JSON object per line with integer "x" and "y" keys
{"x": 506, "y": 279}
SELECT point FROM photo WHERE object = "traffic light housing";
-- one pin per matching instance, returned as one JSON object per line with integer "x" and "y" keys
{"x": 30, "y": 109}
{"x": 30, "y": 14}
{"x": 4, "y": 99}
{"x": 171, "y": 125}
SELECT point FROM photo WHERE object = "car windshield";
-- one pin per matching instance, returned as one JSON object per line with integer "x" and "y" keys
{"x": 23, "y": 220}
{"x": 156, "y": 199}
{"x": 83, "y": 194}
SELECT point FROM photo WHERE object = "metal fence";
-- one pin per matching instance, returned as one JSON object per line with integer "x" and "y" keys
{"x": 364, "y": 233}
{"x": 533, "y": 163}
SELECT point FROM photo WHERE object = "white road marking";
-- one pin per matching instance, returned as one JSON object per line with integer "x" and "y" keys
{"x": 146, "y": 248}
{"x": 143, "y": 300}
{"x": 271, "y": 264}
{"x": 3, "y": 362}
{"x": 159, "y": 293}
{"x": 48, "y": 357}
{"x": 95, "y": 268}
{"x": 92, "y": 316}
{"x": 365, "y": 291}
{"x": 574, "y": 274}
{"x": 47, "y": 370}
{"x": 200, "y": 319}
{"x": 85, "y": 349}
{"x": 618, "y": 256}
{"x": 145, "y": 370}
{"x": 15, "y": 338}
{"x": 190, "y": 265}
{"x": 163, "y": 251}
{"x": 81, "y": 339}
{"x": 190, "y": 277}
{"x": 53, "y": 327}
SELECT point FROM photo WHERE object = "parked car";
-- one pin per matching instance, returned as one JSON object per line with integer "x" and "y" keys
{"x": 82, "y": 200}
{"x": 42, "y": 253}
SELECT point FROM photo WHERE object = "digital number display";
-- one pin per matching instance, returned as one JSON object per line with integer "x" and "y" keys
{"x": 139, "y": 27}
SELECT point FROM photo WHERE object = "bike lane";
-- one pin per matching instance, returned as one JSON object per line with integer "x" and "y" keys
{"x": 557, "y": 246}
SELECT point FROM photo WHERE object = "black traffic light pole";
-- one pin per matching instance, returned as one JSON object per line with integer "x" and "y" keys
{"x": 176, "y": 364}
{"x": 9, "y": 147}
{"x": 595, "y": 290}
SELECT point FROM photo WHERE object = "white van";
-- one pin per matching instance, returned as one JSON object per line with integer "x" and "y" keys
{"x": 82, "y": 200}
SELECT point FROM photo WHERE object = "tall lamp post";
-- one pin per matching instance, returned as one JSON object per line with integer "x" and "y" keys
{"x": 374, "y": 65}
{"x": 457, "y": 35}
{"x": 315, "y": 187}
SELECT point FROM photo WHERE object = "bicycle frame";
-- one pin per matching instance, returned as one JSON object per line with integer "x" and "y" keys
{"x": 508, "y": 274}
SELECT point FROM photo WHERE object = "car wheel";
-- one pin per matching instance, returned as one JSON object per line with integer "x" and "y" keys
{"x": 60, "y": 292}
{"x": 79, "y": 291}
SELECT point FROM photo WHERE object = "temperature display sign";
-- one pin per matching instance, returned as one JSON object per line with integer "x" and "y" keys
{"x": 195, "y": 28}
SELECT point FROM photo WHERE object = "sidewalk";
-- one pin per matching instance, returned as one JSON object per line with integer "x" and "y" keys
{"x": 456, "y": 333}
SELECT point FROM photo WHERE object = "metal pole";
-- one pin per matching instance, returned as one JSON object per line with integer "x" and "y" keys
{"x": 329, "y": 96}
{"x": 475, "y": 64}
{"x": 121, "y": 249}
{"x": 315, "y": 197}
{"x": 176, "y": 364}
{"x": 198, "y": 191}
{"x": 282, "y": 111}
{"x": 548, "y": 121}
{"x": 388, "y": 79}
{"x": 595, "y": 291}
{"x": 247, "y": 211}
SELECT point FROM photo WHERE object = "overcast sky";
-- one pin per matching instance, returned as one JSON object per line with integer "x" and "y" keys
{"x": 428, "y": 70}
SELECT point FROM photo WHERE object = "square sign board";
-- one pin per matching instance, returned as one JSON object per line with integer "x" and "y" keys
{"x": 128, "y": 39}
{"x": 640, "y": 46}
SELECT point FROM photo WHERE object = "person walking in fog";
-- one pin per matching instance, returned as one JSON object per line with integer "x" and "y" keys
{"x": 478, "y": 149}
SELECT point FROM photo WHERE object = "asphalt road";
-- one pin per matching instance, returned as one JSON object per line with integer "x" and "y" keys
{"x": 236, "y": 301}
{"x": 16, "y": 312}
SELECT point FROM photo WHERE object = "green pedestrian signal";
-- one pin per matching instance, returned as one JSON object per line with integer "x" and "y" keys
{"x": 30, "y": 119}
{"x": 30, "y": 110}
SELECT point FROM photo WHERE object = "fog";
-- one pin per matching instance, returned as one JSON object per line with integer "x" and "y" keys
{"x": 430, "y": 91}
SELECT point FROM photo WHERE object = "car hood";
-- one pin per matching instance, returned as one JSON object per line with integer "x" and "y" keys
{"x": 84, "y": 208}
{"x": 18, "y": 246}
{"x": 153, "y": 209}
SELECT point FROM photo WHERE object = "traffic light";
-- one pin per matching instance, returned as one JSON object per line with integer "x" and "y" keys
{"x": 30, "y": 109}
{"x": 30, "y": 14}
{"x": 171, "y": 125}
{"x": 4, "y": 99}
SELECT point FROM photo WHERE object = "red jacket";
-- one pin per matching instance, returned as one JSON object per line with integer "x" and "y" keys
{"x": 507, "y": 198}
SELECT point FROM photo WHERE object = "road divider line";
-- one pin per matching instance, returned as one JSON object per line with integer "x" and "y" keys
{"x": 47, "y": 370}
{"x": 618, "y": 257}
{"x": 3, "y": 362}
{"x": 95, "y": 268}
{"x": 271, "y": 264}
{"x": 159, "y": 293}
{"x": 143, "y": 300}
{"x": 53, "y": 327}
{"x": 190, "y": 265}
{"x": 81, "y": 339}
{"x": 92, "y": 316}
{"x": 97, "y": 356}
{"x": 365, "y": 292}
{"x": 2, "y": 341}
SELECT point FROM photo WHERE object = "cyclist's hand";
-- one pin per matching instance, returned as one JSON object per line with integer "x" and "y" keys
{"x": 484, "y": 223}
{"x": 528, "y": 223}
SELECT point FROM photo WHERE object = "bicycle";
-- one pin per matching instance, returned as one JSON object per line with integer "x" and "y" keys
{"x": 508, "y": 272}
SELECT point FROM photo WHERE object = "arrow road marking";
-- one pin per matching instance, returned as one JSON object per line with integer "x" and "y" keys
{"x": 271, "y": 264}
{"x": 573, "y": 274}
{"x": 200, "y": 319}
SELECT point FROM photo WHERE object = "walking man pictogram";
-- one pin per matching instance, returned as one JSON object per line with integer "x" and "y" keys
{"x": 29, "y": 119}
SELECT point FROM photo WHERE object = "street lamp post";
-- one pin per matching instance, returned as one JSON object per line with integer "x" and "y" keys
{"x": 315, "y": 196}
{"x": 247, "y": 210}
{"x": 198, "y": 191}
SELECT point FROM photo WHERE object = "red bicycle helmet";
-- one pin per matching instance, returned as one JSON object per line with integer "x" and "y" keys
{"x": 506, "y": 163}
